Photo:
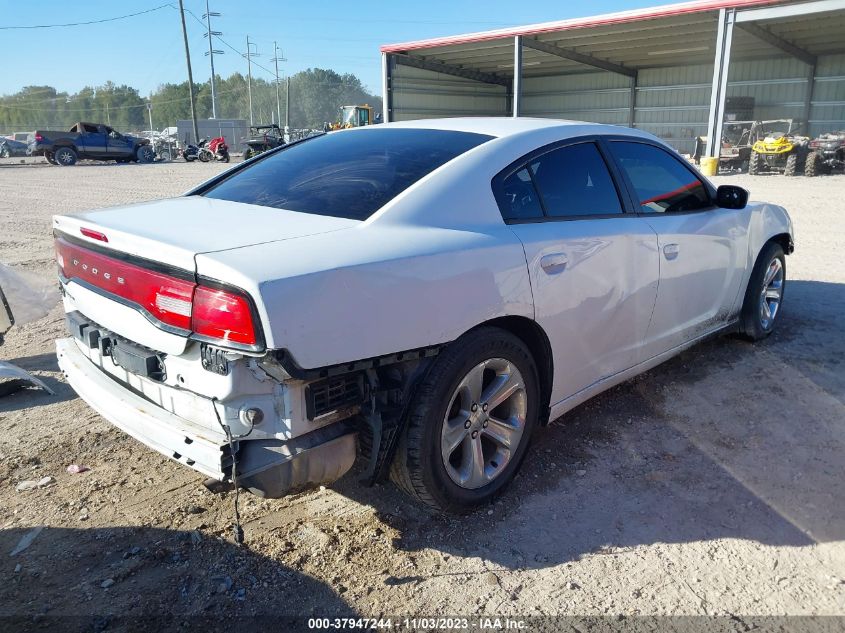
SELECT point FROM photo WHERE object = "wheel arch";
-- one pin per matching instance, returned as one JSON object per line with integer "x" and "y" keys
{"x": 785, "y": 241}
{"x": 535, "y": 338}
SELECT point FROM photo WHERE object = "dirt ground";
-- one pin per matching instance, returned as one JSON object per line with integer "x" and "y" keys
{"x": 710, "y": 485}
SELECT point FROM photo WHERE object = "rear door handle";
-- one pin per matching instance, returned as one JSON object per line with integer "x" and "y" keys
{"x": 553, "y": 263}
{"x": 671, "y": 251}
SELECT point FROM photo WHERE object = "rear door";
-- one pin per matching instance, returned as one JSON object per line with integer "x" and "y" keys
{"x": 702, "y": 247}
{"x": 593, "y": 266}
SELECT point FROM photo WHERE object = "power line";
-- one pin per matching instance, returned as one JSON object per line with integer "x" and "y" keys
{"x": 52, "y": 26}
{"x": 225, "y": 43}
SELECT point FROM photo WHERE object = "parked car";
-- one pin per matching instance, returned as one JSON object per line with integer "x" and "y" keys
{"x": 10, "y": 148}
{"x": 420, "y": 296}
{"x": 92, "y": 141}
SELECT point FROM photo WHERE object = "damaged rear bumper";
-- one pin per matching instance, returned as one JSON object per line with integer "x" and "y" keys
{"x": 169, "y": 434}
{"x": 268, "y": 467}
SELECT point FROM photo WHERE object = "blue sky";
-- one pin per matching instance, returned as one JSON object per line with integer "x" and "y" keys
{"x": 147, "y": 50}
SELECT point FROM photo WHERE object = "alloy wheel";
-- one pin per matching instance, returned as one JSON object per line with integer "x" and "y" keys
{"x": 484, "y": 423}
{"x": 772, "y": 292}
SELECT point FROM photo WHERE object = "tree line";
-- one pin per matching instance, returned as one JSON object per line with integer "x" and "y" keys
{"x": 316, "y": 95}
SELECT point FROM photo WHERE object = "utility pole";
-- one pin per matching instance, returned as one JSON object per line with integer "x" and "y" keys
{"x": 287, "y": 102}
{"x": 278, "y": 59}
{"x": 211, "y": 53}
{"x": 249, "y": 55}
{"x": 190, "y": 74}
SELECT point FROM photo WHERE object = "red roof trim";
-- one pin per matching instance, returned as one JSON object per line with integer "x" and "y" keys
{"x": 621, "y": 17}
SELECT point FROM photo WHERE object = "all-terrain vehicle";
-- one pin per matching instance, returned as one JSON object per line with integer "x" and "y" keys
{"x": 261, "y": 138}
{"x": 735, "y": 152}
{"x": 778, "y": 148}
{"x": 827, "y": 154}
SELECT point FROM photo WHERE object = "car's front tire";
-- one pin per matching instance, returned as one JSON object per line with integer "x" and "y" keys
{"x": 145, "y": 154}
{"x": 470, "y": 422}
{"x": 764, "y": 295}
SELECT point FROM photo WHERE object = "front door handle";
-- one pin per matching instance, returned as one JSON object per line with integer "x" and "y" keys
{"x": 553, "y": 263}
{"x": 671, "y": 251}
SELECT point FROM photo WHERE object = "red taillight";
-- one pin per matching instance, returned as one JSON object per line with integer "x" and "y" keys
{"x": 178, "y": 303}
{"x": 38, "y": 138}
{"x": 94, "y": 235}
{"x": 222, "y": 315}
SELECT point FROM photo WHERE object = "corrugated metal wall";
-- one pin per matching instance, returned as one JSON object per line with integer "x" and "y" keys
{"x": 600, "y": 97}
{"x": 672, "y": 103}
{"x": 423, "y": 94}
{"x": 827, "y": 112}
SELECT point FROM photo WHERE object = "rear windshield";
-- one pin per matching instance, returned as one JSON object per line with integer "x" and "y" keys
{"x": 345, "y": 174}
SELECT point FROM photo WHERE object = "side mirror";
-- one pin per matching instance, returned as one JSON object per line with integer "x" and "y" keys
{"x": 731, "y": 197}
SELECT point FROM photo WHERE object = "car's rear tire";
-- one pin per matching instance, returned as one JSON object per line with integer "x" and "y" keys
{"x": 460, "y": 447}
{"x": 145, "y": 154}
{"x": 65, "y": 157}
{"x": 763, "y": 301}
{"x": 754, "y": 163}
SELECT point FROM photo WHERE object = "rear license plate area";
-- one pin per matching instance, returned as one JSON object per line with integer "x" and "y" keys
{"x": 129, "y": 356}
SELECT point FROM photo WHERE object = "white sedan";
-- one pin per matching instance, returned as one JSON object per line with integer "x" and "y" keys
{"x": 418, "y": 296}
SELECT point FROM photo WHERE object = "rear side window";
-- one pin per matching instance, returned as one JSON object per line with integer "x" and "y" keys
{"x": 574, "y": 181}
{"x": 521, "y": 201}
{"x": 345, "y": 174}
{"x": 662, "y": 182}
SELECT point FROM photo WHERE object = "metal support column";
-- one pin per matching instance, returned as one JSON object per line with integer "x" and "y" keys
{"x": 517, "y": 75}
{"x": 632, "y": 102}
{"x": 808, "y": 97}
{"x": 721, "y": 67}
{"x": 386, "y": 88}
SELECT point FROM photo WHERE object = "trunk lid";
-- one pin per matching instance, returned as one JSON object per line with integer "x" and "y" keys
{"x": 173, "y": 231}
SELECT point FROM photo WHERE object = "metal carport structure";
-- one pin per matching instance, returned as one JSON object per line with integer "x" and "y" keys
{"x": 669, "y": 70}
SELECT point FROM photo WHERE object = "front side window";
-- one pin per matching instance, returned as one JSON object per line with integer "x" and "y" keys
{"x": 345, "y": 174}
{"x": 662, "y": 183}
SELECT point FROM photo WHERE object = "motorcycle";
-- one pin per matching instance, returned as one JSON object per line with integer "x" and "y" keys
{"x": 215, "y": 149}
{"x": 191, "y": 151}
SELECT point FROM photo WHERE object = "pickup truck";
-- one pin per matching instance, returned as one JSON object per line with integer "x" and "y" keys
{"x": 93, "y": 141}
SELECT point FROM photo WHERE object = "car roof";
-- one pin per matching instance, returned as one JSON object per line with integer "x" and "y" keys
{"x": 504, "y": 126}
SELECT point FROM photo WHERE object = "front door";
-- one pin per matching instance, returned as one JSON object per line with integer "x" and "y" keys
{"x": 92, "y": 141}
{"x": 593, "y": 267}
{"x": 118, "y": 145}
{"x": 702, "y": 248}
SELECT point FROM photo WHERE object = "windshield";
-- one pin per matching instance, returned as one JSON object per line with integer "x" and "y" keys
{"x": 345, "y": 174}
{"x": 774, "y": 128}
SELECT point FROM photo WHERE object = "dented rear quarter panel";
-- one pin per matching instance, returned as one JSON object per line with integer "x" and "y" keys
{"x": 375, "y": 290}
